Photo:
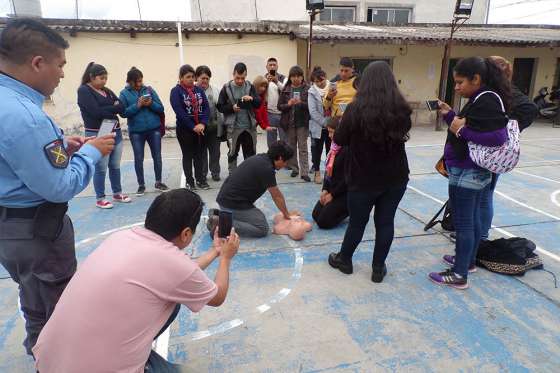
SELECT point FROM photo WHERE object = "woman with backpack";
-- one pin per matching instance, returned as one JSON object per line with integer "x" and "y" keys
{"x": 373, "y": 130}
{"x": 482, "y": 121}
{"x": 295, "y": 120}
{"x": 143, "y": 109}
{"x": 98, "y": 103}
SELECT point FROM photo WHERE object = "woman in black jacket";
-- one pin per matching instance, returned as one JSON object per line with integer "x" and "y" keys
{"x": 97, "y": 103}
{"x": 374, "y": 128}
{"x": 332, "y": 207}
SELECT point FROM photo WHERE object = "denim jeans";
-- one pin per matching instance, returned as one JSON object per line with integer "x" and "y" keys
{"x": 156, "y": 363}
{"x": 487, "y": 207}
{"x": 465, "y": 191}
{"x": 138, "y": 140}
{"x": 113, "y": 161}
{"x": 272, "y": 136}
{"x": 360, "y": 204}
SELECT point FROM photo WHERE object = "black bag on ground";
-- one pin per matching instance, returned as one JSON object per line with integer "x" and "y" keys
{"x": 509, "y": 256}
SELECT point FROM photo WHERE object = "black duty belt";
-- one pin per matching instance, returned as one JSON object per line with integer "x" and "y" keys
{"x": 22, "y": 213}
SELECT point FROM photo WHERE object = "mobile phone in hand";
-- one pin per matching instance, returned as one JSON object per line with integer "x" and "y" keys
{"x": 433, "y": 105}
{"x": 225, "y": 223}
{"x": 107, "y": 127}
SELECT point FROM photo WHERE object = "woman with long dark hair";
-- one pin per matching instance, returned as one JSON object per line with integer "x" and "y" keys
{"x": 143, "y": 109}
{"x": 98, "y": 103}
{"x": 295, "y": 120}
{"x": 374, "y": 129}
{"x": 482, "y": 121}
{"x": 190, "y": 104}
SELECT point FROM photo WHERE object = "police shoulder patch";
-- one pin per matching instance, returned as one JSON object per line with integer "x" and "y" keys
{"x": 57, "y": 154}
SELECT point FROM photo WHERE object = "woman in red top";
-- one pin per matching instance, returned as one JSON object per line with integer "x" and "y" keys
{"x": 261, "y": 113}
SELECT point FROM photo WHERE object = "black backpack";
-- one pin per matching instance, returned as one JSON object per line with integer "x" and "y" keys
{"x": 510, "y": 256}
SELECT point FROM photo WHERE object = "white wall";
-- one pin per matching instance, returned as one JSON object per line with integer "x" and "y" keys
{"x": 423, "y": 11}
{"x": 248, "y": 10}
{"x": 27, "y": 7}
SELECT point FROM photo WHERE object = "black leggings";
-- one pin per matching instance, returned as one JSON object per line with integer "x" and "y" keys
{"x": 193, "y": 149}
{"x": 360, "y": 204}
{"x": 317, "y": 149}
{"x": 332, "y": 214}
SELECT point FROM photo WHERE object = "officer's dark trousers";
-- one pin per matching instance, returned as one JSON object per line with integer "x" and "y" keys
{"x": 40, "y": 267}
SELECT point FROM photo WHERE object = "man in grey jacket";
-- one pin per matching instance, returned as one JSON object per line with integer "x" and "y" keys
{"x": 276, "y": 82}
{"x": 237, "y": 100}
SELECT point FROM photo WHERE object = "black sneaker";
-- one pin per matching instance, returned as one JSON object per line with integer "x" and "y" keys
{"x": 203, "y": 185}
{"x": 294, "y": 173}
{"x": 216, "y": 178}
{"x": 141, "y": 190}
{"x": 307, "y": 179}
{"x": 161, "y": 187}
{"x": 377, "y": 273}
{"x": 336, "y": 261}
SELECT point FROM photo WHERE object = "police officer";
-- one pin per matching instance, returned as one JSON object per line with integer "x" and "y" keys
{"x": 40, "y": 171}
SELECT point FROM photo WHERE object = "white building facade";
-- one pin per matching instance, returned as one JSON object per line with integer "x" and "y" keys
{"x": 385, "y": 12}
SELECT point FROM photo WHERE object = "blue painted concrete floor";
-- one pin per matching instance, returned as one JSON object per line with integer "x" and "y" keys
{"x": 288, "y": 311}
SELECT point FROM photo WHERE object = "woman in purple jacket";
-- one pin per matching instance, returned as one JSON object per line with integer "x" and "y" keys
{"x": 483, "y": 122}
{"x": 191, "y": 108}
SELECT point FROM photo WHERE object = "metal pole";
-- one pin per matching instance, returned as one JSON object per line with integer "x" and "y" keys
{"x": 310, "y": 43}
{"x": 139, "y": 11}
{"x": 180, "y": 37}
{"x": 77, "y": 10}
{"x": 445, "y": 70}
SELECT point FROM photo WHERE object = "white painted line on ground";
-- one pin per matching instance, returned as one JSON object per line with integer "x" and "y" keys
{"x": 536, "y": 176}
{"x": 554, "y": 198}
{"x": 106, "y": 233}
{"x": 503, "y": 195}
{"x": 502, "y": 231}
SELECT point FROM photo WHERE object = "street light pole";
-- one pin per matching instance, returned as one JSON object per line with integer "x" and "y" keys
{"x": 312, "y": 14}
{"x": 462, "y": 13}
{"x": 313, "y": 8}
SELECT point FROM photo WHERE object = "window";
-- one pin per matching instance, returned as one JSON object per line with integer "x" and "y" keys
{"x": 389, "y": 16}
{"x": 361, "y": 63}
{"x": 338, "y": 14}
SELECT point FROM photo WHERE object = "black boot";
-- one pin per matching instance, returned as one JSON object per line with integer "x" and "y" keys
{"x": 377, "y": 273}
{"x": 336, "y": 261}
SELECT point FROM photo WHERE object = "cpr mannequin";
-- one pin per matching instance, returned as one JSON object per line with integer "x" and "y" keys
{"x": 295, "y": 228}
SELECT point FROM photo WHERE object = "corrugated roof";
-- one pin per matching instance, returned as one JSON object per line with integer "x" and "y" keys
{"x": 512, "y": 35}
{"x": 432, "y": 33}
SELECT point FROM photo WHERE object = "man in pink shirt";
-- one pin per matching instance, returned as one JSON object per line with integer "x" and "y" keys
{"x": 129, "y": 288}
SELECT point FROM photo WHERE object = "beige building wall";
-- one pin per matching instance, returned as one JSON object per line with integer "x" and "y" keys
{"x": 417, "y": 67}
{"x": 158, "y": 58}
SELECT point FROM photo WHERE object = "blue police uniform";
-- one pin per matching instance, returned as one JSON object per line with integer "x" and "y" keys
{"x": 37, "y": 179}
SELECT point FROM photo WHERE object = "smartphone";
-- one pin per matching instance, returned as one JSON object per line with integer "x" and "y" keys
{"x": 146, "y": 96}
{"x": 225, "y": 223}
{"x": 433, "y": 105}
{"x": 272, "y": 72}
{"x": 107, "y": 127}
{"x": 332, "y": 86}
{"x": 297, "y": 95}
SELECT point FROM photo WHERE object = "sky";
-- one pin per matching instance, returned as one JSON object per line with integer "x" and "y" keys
{"x": 501, "y": 11}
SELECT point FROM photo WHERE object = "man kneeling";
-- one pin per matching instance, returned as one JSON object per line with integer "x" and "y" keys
{"x": 131, "y": 287}
{"x": 248, "y": 183}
